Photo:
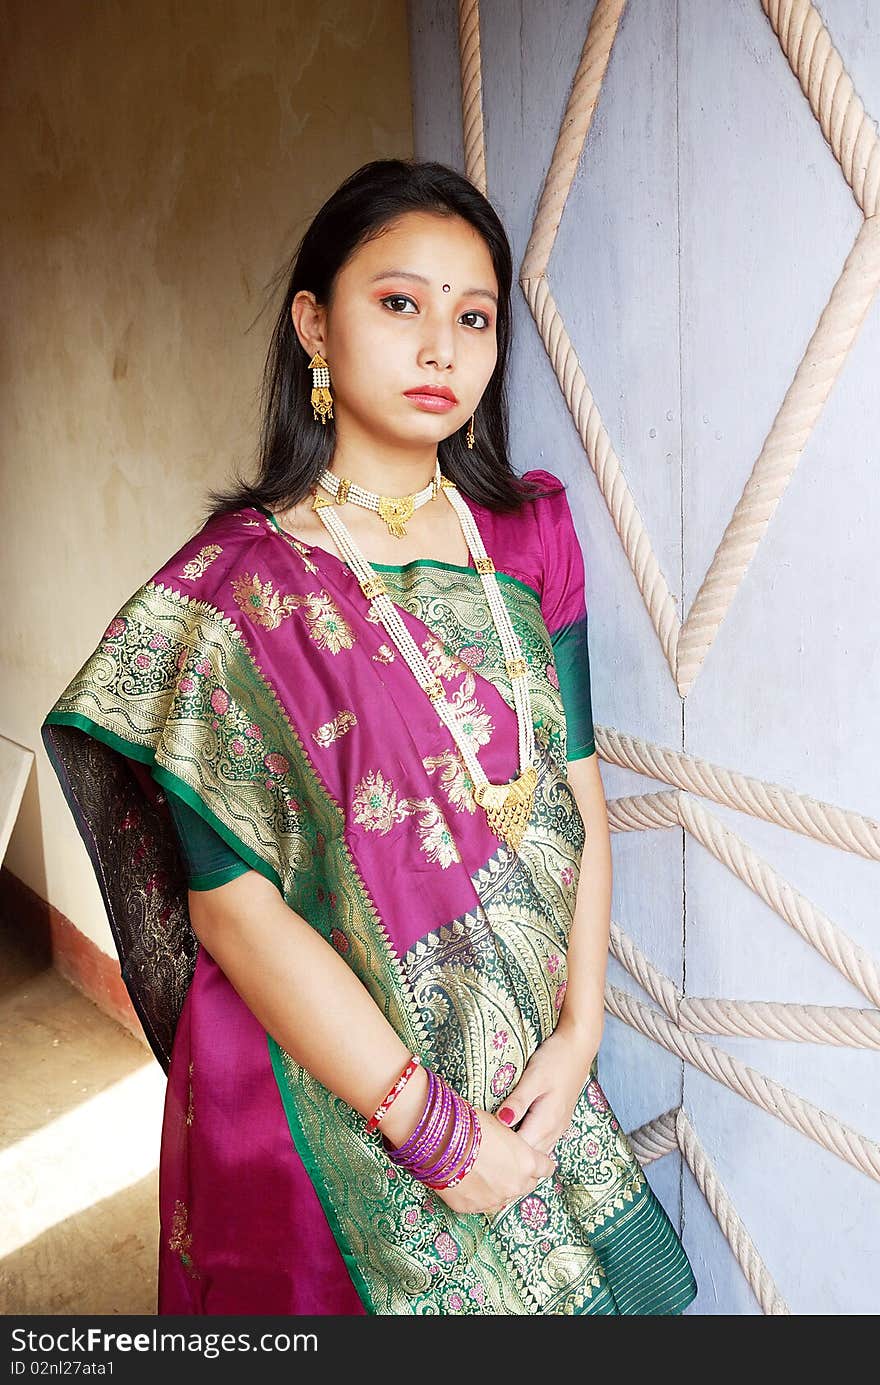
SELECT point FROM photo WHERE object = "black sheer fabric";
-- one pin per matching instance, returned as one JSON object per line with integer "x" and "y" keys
{"x": 123, "y": 818}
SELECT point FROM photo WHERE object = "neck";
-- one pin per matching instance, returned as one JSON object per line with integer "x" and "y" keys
{"x": 384, "y": 470}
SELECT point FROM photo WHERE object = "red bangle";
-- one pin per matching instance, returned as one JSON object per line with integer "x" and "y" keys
{"x": 387, "y": 1101}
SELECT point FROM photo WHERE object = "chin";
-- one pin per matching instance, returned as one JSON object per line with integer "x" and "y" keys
{"x": 432, "y": 428}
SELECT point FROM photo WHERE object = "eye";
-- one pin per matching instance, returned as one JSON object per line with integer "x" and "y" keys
{"x": 473, "y": 313}
{"x": 397, "y": 298}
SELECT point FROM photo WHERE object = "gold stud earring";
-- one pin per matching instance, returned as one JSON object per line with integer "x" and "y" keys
{"x": 322, "y": 399}
{"x": 470, "y": 432}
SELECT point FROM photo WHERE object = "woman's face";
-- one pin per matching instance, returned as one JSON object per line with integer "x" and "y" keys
{"x": 392, "y": 328}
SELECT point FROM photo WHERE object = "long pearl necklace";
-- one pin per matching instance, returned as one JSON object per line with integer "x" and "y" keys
{"x": 508, "y": 807}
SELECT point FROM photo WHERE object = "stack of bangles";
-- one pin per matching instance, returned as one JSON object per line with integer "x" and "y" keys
{"x": 427, "y": 1154}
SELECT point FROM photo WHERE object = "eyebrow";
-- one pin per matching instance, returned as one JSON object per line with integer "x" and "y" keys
{"x": 420, "y": 279}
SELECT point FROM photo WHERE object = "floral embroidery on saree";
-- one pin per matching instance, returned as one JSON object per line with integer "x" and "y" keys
{"x": 267, "y": 607}
{"x": 180, "y": 1239}
{"x": 198, "y": 566}
{"x": 327, "y": 626}
{"x": 464, "y": 640}
{"x": 261, "y": 602}
{"x": 377, "y": 807}
{"x": 333, "y": 730}
{"x": 455, "y": 779}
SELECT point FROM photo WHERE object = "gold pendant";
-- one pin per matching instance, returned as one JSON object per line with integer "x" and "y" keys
{"x": 322, "y": 403}
{"x": 509, "y": 806}
{"x": 396, "y": 510}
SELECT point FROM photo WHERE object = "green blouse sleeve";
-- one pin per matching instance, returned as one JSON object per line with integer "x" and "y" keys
{"x": 572, "y": 655}
{"x": 209, "y": 861}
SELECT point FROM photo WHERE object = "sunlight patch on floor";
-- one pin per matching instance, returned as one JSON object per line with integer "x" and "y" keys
{"x": 89, "y": 1153}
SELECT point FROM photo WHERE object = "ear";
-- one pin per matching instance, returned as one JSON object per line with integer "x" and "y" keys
{"x": 309, "y": 321}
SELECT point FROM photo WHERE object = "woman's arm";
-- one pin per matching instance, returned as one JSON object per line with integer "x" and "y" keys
{"x": 582, "y": 1015}
{"x": 307, "y": 997}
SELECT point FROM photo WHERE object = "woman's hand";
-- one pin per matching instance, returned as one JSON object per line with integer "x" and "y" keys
{"x": 543, "y": 1101}
{"x": 506, "y": 1168}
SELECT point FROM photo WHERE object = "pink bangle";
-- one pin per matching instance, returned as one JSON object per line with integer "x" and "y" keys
{"x": 428, "y": 1130}
{"x": 464, "y": 1170}
{"x": 458, "y": 1140}
{"x": 419, "y": 1158}
{"x": 387, "y": 1102}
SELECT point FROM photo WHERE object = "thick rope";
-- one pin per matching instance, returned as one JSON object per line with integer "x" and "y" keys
{"x": 857, "y": 965}
{"x": 573, "y": 131}
{"x": 840, "y": 827}
{"x": 720, "y": 1204}
{"x": 655, "y": 1138}
{"x": 805, "y": 398}
{"x": 472, "y": 92}
{"x": 686, "y": 645}
{"x": 672, "y": 1130}
{"x": 819, "y": 68}
{"x": 841, "y": 1025}
{"x": 858, "y": 1150}
{"x": 606, "y": 464}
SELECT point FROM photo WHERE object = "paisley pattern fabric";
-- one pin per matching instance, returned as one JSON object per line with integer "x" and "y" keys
{"x": 251, "y": 682}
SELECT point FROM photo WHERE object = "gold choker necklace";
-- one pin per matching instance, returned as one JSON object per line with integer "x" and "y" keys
{"x": 395, "y": 510}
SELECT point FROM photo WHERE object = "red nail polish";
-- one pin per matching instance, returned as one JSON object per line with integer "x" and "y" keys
{"x": 506, "y": 1114}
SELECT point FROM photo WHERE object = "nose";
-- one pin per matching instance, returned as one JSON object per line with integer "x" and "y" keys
{"x": 438, "y": 349}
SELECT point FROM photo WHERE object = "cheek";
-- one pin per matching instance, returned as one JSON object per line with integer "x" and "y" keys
{"x": 350, "y": 370}
{"x": 486, "y": 360}
{"x": 371, "y": 356}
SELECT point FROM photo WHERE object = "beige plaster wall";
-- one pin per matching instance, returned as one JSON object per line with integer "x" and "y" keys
{"x": 159, "y": 163}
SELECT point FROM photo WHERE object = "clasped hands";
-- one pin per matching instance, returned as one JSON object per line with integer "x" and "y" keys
{"x": 541, "y": 1106}
{"x": 542, "y": 1103}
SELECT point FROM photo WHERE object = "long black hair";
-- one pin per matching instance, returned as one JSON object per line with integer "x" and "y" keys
{"x": 294, "y": 446}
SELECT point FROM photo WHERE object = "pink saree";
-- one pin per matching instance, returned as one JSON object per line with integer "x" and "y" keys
{"x": 251, "y": 677}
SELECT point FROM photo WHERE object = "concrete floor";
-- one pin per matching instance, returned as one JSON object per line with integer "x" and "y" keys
{"x": 80, "y": 1121}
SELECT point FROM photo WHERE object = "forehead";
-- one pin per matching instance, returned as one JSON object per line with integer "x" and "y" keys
{"x": 445, "y": 249}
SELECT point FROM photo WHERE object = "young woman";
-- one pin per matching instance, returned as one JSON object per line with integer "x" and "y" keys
{"x": 334, "y": 764}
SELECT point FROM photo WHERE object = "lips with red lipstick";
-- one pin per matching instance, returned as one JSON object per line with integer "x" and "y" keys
{"x": 437, "y": 399}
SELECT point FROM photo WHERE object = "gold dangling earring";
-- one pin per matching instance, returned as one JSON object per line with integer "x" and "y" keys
{"x": 322, "y": 399}
{"x": 470, "y": 432}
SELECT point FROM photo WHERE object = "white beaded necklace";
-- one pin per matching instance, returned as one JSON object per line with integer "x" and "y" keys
{"x": 394, "y": 509}
{"x": 508, "y": 807}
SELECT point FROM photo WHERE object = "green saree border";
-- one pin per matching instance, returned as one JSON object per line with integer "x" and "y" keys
{"x": 413, "y": 562}
{"x": 315, "y": 1173}
{"x": 167, "y": 781}
{"x": 456, "y": 567}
